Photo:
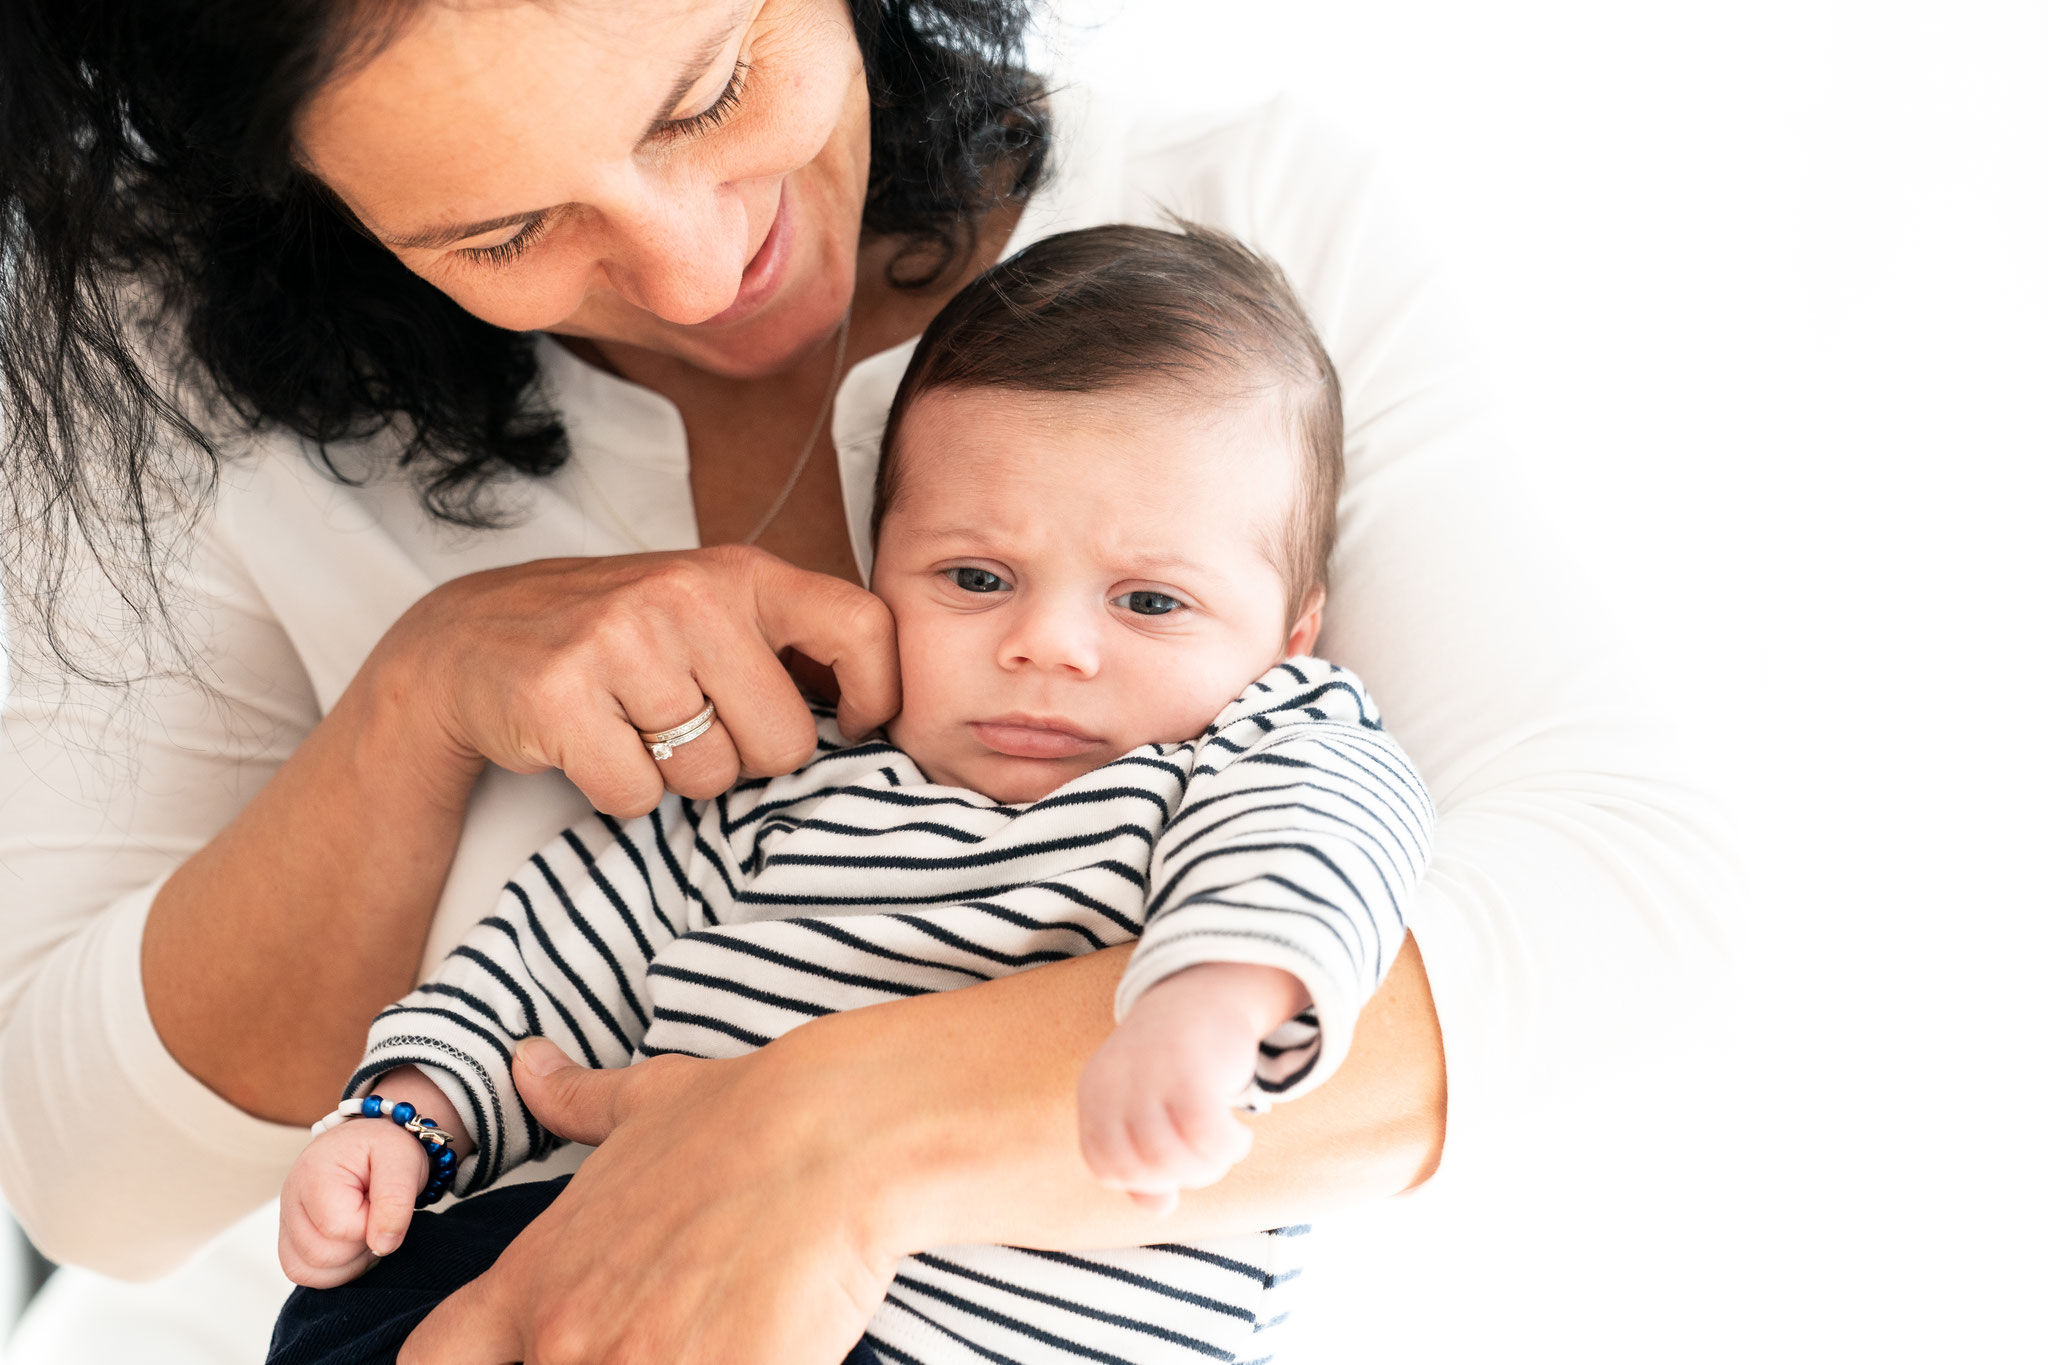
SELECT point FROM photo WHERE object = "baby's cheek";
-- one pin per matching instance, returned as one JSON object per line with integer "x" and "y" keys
{"x": 1178, "y": 703}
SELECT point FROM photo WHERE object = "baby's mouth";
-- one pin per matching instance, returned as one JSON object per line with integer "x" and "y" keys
{"x": 1024, "y": 736}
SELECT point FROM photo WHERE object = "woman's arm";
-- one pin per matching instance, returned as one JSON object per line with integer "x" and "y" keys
{"x": 982, "y": 1130}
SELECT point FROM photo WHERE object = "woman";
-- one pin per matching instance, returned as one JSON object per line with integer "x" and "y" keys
{"x": 617, "y": 282}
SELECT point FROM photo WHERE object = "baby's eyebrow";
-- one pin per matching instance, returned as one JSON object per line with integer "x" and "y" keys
{"x": 1160, "y": 563}
{"x": 1165, "y": 564}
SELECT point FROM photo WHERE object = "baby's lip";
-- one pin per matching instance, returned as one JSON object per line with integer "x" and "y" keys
{"x": 1021, "y": 735}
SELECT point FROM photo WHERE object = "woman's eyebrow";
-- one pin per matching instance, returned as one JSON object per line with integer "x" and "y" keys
{"x": 693, "y": 70}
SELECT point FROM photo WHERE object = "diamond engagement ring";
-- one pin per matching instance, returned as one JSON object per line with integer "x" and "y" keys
{"x": 665, "y": 744}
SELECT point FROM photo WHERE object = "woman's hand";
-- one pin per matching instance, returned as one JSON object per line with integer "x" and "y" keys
{"x": 749, "y": 1245}
{"x": 558, "y": 663}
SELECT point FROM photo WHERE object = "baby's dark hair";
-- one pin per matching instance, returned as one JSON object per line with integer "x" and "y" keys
{"x": 1135, "y": 307}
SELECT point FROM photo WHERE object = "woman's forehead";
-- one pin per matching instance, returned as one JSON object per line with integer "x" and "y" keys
{"x": 468, "y": 112}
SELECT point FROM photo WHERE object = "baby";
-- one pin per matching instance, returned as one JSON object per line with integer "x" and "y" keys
{"x": 1106, "y": 498}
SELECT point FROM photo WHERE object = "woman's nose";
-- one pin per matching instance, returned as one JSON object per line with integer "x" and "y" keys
{"x": 678, "y": 251}
{"x": 1053, "y": 637}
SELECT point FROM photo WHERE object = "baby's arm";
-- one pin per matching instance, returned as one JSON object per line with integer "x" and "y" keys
{"x": 1279, "y": 893}
{"x": 563, "y": 955}
{"x": 349, "y": 1196}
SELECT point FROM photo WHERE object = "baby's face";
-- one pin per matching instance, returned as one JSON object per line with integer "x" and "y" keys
{"x": 1076, "y": 575}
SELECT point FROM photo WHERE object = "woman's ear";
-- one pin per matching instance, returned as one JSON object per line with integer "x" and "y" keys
{"x": 1302, "y": 639}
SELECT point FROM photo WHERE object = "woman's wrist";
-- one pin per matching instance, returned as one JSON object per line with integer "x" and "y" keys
{"x": 403, "y": 736}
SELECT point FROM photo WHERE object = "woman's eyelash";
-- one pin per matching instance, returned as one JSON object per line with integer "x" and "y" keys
{"x": 506, "y": 250}
{"x": 720, "y": 110}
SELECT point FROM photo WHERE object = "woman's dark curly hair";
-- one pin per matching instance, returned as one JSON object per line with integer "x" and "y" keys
{"x": 146, "y": 153}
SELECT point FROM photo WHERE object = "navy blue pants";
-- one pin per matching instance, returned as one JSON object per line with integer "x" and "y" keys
{"x": 365, "y": 1321}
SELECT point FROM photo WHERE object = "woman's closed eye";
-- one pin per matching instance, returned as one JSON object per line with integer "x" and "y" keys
{"x": 969, "y": 579}
{"x": 721, "y": 109}
{"x": 1146, "y": 602}
{"x": 694, "y": 125}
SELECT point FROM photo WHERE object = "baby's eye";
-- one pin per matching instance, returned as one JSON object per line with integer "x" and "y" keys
{"x": 1148, "y": 603}
{"x": 976, "y": 580}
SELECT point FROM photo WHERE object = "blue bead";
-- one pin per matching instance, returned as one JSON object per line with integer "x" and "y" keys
{"x": 374, "y": 1106}
{"x": 402, "y": 1112}
{"x": 428, "y": 1123}
{"x": 445, "y": 1158}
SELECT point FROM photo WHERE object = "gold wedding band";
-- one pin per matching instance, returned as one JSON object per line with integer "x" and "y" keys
{"x": 664, "y": 744}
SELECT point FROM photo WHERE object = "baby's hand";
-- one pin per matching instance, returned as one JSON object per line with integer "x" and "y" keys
{"x": 348, "y": 1200}
{"x": 1156, "y": 1098}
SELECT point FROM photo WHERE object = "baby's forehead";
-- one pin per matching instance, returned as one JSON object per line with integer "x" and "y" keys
{"x": 1165, "y": 464}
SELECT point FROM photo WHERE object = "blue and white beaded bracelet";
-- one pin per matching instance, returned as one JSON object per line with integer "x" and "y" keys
{"x": 441, "y": 1162}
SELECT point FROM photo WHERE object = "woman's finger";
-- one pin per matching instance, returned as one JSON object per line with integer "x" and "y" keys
{"x": 665, "y": 697}
{"x": 761, "y": 715}
{"x": 845, "y": 628}
{"x": 569, "y": 1100}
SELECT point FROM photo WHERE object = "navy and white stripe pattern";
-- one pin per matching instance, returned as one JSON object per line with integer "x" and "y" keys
{"x": 1291, "y": 833}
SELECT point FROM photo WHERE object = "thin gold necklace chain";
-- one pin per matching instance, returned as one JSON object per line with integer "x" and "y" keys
{"x": 796, "y": 472}
{"x": 811, "y": 442}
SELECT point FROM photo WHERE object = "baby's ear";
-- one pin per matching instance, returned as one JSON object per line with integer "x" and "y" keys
{"x": 1309, "y": 625}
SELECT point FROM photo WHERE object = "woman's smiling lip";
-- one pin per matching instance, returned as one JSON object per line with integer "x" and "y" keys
{"x": 764, "y": 272}
{"x": 1025, "y": 736}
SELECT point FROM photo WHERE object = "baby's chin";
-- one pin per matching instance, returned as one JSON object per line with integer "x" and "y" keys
{"x": 1008, "y": 781}
{"x": 1021, "y": 781}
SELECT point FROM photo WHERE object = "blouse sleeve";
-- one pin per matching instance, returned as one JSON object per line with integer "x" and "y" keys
{"x": 1581, "y": 874}
{"x": 112, "y": 1156}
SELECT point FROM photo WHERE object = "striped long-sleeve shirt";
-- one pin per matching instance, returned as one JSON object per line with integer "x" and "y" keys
{"x": 1290, "y": 833}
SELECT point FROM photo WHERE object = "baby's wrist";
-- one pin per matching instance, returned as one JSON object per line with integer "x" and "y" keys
{"x": 410, "y": 1085}
{"x": 1262, "y": 998}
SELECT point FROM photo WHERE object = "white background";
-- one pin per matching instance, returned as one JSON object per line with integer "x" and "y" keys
{"x": 1763, "y": 288}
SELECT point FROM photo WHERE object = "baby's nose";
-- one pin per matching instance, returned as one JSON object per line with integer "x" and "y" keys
{"x": 1056, "y": 638}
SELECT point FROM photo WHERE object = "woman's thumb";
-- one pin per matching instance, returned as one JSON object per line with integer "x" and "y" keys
{"x": 570, "y": 1100}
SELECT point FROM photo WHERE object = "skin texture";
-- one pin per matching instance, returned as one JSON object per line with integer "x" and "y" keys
{"x": 891, "y": 1129}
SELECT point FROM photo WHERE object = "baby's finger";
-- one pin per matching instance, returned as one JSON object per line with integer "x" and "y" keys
{"x": 1103, "y": 1144}
{"x": 1217, "y": 1140}
{"x": 334, "y": 1206}
{"x": 1160, "y": 1204}
{"x": 312, "y": 1259}
{"x": 1163, "y": 1158}
{"x": 396, "y": 1176}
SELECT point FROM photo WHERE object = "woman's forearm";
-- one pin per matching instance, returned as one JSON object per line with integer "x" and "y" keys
{"x": 266, "y": 953}
{"x": 974, "y": 1124}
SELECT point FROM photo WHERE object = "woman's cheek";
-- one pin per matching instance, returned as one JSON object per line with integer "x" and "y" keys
{"x": 531, "y": 295}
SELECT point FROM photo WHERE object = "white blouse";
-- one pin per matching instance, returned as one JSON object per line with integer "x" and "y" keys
{"x": 1579, "y": 873}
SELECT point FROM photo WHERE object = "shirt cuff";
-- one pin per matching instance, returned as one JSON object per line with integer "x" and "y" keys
{"x": 1334, "y": 1007}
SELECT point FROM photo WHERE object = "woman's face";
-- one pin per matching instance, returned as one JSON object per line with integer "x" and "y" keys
{"x": 683, "y": 176}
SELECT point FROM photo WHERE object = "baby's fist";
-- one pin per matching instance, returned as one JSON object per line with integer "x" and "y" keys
{"x": 347, "y": 1201}
{"x": 1156, "y": 1098}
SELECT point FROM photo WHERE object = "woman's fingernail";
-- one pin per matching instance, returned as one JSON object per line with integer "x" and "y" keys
{"x": 540, "y": 1056}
